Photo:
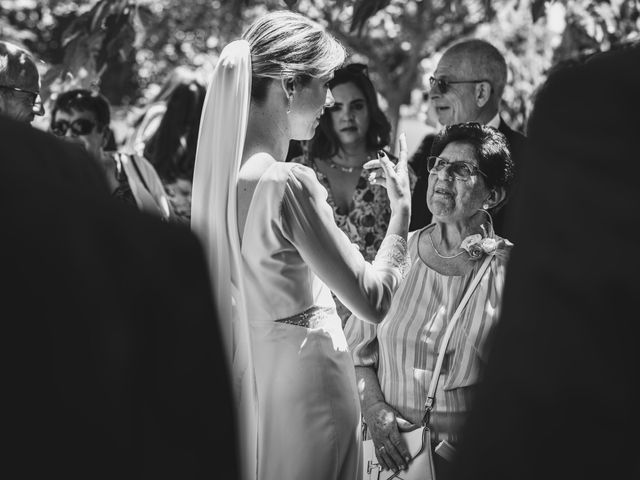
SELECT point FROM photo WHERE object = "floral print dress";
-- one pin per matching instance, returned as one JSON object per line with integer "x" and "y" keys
{"x": 367, "y": 221}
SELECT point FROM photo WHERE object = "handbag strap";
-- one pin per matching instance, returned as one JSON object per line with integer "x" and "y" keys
{"x": 431, "y": 394}
{"x": 135, "y": 165}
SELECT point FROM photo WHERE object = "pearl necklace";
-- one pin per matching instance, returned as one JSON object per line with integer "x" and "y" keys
{"x": 342, "y": 168}
{"x": 438, "y": 253}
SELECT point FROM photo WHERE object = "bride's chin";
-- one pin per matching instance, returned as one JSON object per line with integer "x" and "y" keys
{"x": 306, "y": 136}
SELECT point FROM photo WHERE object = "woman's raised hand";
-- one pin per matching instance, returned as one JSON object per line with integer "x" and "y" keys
{"x": 395, "y": 178}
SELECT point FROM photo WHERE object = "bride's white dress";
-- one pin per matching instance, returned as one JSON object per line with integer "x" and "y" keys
{"x": 292, "y": 252}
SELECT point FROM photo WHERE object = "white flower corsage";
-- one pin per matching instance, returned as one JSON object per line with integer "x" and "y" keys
{"x": 478, "y": 245}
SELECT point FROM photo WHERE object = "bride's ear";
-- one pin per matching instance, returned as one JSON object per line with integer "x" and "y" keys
{"x": 288, "y": 85}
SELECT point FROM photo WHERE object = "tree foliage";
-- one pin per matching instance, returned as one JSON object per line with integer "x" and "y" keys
{"x": 394, "y": 36}
{"x": 126, "y": 48}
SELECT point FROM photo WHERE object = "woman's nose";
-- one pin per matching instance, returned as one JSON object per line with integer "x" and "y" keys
{"x": 444, "y": 173}
{"x": 329, "y": 100}
{"x": 38, "y": 107}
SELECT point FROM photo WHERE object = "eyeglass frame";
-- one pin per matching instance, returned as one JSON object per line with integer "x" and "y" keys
{"x": 36, "y": 95}
{"x": 443, "y": 85}
{"x": 53, "y": 127}
{"x": 475, "y": 169}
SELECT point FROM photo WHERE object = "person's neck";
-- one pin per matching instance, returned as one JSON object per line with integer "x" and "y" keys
{"x": 486, "y": 116}
{"x": 265, "y": 135}
{"x": 354, "y": 155}
{"x": 449, "y": 236}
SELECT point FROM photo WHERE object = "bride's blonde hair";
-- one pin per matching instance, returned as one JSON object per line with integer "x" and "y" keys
{"x": 287, "y": 44}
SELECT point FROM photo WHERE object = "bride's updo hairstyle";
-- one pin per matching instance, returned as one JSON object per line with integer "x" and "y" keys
{"x": 287, "y": 44}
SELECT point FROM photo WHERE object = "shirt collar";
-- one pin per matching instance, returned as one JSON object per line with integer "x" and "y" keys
{"x": 494, "y": 122}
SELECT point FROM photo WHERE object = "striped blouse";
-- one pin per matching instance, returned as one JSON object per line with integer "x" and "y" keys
{"x": 404, "y": 347}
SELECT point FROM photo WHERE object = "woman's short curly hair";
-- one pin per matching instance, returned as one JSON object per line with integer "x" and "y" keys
{"x": 490, "y": 146}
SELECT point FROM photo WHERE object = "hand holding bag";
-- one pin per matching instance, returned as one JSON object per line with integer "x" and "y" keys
{"x": 418, "y": 441}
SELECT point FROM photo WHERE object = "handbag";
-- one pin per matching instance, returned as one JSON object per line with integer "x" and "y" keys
{"x": 418, "y": 440}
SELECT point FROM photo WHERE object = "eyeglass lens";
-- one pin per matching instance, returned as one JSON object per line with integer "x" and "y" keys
{"x": 443, "y": 86}
{"x": 80, "y": 126}
{"x": 460, "y": 170}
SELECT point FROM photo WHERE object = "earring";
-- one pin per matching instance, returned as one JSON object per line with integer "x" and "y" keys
{"x": 290, "y": 100}
{"x": 485, "y": 206}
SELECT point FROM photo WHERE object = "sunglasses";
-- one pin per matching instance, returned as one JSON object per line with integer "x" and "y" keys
{"x": 460, "y": 170}
{"x": 357, "y": 68}
{"x": 35, "y": 101}
{"x": 443, "y": 85}
{"x": 81, "y": 126}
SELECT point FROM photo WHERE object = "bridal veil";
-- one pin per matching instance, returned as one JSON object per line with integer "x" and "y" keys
{"x": 221, "y": 140}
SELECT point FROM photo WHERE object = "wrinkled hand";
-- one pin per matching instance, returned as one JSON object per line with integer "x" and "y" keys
{"x": 383, "y": 422}
{"x": 395, "y": 178}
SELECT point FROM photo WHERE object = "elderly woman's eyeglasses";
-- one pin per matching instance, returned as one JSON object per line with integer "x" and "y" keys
{"x": 443, "y": 85}
{"x": 460, "y": 170}
{"x": 34, "y": 98}
{"x": 81, "y": 126}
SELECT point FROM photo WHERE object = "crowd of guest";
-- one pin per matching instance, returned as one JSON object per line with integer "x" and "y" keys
{"x": 374, "y": 280}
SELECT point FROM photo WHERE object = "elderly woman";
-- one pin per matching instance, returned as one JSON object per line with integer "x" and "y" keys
{"x": 469, "y": 173}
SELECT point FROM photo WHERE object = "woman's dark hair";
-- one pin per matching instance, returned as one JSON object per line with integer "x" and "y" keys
{"x": 325, "y": 142}
{"x": 172, "y": 147}
{"x": 82, "y": 100}
{"x": 489, "y": 145}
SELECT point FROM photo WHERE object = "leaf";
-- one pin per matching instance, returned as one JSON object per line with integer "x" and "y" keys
{"x": 363, "y": 10}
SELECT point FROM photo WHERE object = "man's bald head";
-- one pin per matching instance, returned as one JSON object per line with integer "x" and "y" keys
{"x": 19, "y": 83}
{"x": 17, "y": 68}
{"x": 482, "y": 60}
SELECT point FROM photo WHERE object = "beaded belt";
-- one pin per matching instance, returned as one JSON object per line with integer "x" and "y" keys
{"x": 309, "y": 318}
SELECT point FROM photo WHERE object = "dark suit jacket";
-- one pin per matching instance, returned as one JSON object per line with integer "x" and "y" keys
{"x": 113, "y": 363}
{"x": 561, "y": 393}
{"x": 420, "y": 214}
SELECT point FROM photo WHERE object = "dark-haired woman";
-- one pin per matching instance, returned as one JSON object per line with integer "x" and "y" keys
{"x": 172, "y": 148}
{"x": 350, "y": 134}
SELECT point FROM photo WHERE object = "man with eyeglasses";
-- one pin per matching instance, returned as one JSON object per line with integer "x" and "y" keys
{"x": 467, "y": 86}
{"x": 19, "y": 84}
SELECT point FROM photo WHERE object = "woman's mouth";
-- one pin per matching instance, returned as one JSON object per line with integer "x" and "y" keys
{"x": 443, "y": 192}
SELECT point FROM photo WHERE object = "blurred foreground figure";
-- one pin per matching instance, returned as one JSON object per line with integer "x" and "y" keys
{"x": 561, "y": 392}
{"x": 108, "y": 373}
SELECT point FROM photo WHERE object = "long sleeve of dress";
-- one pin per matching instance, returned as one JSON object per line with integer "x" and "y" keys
{"x": 308, "y": 223}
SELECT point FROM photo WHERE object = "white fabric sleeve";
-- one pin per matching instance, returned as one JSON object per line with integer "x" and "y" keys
{"x": 308, "y": 223}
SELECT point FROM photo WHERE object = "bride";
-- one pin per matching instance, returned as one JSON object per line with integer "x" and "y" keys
{"x": 275, "y": 252}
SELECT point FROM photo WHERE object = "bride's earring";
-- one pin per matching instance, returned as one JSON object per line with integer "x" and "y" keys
{"x": 290, "y": 99}
{"x": 485, "y": 206}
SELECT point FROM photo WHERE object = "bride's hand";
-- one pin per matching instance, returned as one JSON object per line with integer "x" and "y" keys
{"x": 395, "y": 178}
